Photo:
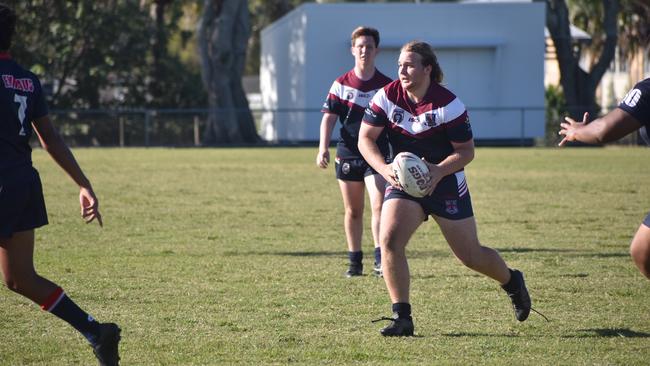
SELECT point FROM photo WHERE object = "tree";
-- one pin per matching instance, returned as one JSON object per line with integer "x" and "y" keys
{"x": 83, "y": 50}
{"x": 579, "y": 86}
{"x": 223, "y": 34}
{"x": 635, "y": 28}
{"x": 263, "y": 13}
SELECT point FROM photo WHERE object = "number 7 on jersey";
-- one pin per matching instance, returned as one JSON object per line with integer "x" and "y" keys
{"x": 22, "y": 101}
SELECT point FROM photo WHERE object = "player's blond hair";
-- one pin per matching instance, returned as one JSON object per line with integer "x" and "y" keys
{"x": 428, "y": 58}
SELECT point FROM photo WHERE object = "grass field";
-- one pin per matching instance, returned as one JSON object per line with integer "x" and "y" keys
{"x": 236, "y": 256}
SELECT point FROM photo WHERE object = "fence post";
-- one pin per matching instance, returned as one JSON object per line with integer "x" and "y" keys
{"x": 121, "y": 126}
{"x": 521, "y": 137}
{"x": 147, "y": 117}
{"x": 196, "y": 131}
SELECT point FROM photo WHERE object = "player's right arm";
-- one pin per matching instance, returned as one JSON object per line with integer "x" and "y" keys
{"x": 326, "y": 126}
{"x": 368, "y": 135}
{"x": 610, "y": 127}
{"x": 59, "y": 151}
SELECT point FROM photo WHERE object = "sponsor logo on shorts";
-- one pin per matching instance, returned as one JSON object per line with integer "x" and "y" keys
{"x": 451, "y": 206}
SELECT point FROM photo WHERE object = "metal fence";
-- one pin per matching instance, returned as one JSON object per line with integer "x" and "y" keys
{"x": 184, "y": 127}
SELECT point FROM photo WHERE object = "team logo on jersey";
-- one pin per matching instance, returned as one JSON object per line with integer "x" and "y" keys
{"x": 632, "y": 98}
{"x": 429, "y": 119}
{"x": 350, "y": 95}
{"x": 451, "y": 206}
{"x": 398, "y": 116}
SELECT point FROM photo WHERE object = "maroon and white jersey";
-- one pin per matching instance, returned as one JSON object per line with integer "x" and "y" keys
{"x": 426, "y": 128}
{"x": 348, "y": 98}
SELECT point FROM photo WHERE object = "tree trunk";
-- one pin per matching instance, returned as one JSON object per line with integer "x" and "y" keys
{"x": 159, "y": 48}
{"x": 579, "y": 86}
{"x": 223, "y": 35}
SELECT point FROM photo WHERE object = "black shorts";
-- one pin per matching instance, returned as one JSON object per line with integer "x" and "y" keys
{"x": 450, "y": 199}
{"x": 646, "y": 222}
{"x": 22, "y": 206}
{"x": 353, "y": 169}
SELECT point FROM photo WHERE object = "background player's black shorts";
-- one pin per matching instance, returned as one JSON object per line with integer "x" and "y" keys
{"x": 450, "y": 199}
{"x": 22, "y": 206}
{"x": 646, "y": 222}
{"x": 354, "y": 169}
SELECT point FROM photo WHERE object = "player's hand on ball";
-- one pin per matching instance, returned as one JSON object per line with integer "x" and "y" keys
{"x": 389, "y": 175}
{"x": 89, "y": 206}
{"x": 435, "y": 175}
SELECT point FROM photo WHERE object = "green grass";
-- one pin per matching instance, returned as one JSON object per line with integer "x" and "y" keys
{"x": 236, "y": 256}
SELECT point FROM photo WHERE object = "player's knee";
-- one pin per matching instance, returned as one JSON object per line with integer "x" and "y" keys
{"x": 354, "y": 213}
{"x": 19, "y": 283}
{"x": 640, "y": 252}
{"x": 467, "y": 259}
{"x": 388, "y": 244}
{"x": 12, "y": 284}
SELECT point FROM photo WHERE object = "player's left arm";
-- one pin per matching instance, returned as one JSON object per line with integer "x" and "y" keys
{"x": 59, "y": 151}
{"x": 462, "y": 155}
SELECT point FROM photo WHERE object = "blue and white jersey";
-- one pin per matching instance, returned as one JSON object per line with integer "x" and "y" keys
{"x": 21, "y": 102}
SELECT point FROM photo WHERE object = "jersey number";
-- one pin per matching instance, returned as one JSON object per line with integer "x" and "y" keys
{"x": 22, "y": 101}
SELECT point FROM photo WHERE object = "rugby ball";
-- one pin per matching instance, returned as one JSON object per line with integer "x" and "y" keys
{"x": 412, "y": 173}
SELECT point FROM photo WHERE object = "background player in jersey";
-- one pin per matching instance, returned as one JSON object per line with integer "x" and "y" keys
{"x": 632, "y": 114}
{"x": 346, "y": 101}
{"x": 424, "y": 118}
{"x": 22, "y": 208}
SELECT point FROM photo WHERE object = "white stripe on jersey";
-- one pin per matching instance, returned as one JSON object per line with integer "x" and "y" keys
{"x": 352, "y": 95}
{"x": 462, "y": 183}
{"x": 417, "y": 124}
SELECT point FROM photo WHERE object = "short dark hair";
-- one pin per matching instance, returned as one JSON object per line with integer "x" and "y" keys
{"x": 365, "y": 31}
{"x": 428, "y": 58}
{"x": 7, "y": 26}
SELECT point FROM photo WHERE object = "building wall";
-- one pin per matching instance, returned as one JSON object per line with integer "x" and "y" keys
{"x": 492, "y": 56}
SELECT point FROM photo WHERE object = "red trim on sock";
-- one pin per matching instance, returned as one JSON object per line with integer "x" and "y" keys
{"x": 53, "y": 299}
{"x": 5, "y": 56}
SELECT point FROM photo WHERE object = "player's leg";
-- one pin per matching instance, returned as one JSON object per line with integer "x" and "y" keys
{"x": 376, "y": 186}
{"x": 17, "y": 264}
{"x": 399, "y": 220}
{"x": 353, "y": 202}
{"x": 640, "y": 248}
{"x": 16, "y": 260}
{"x": 22, "y": 209}
{"x": 461, "y": 235}
{"x": 462, "y": 238}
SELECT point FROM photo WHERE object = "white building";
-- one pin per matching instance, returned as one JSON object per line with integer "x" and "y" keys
{"x": 492, "y": 56}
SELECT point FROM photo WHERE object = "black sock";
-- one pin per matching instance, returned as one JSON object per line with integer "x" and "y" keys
{"x": 511, "y": 286}
{"x": 402, "y": 309}
{"x": 63, "y": 307}
{"x": 378, "y": 255}
{"x": 356, "y": 257}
